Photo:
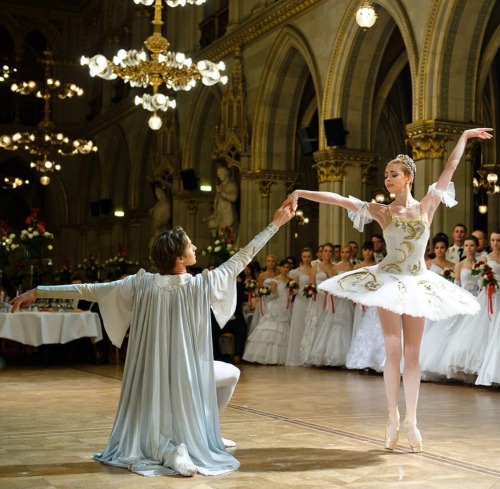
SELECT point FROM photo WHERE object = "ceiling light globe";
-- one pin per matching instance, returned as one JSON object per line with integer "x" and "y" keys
{"x": 155, "y": 122}
{"x": 492, "y": 178}
{"x": 44, "y": 180}
{"x": 366, "y": 16}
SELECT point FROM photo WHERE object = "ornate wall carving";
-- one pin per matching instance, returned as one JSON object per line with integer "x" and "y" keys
{"x": 331, "y": 163}
{"x": 428, "y": 138}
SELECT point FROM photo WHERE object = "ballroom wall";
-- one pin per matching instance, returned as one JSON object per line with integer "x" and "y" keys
{"x": 423, "y": 73}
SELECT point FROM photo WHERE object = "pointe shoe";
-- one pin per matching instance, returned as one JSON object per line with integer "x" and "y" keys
{"x": 181, "y": 462}
{"x": 392, "y": 430}
{"x": 391, "y": 435}
{"x": 414, "y": 436}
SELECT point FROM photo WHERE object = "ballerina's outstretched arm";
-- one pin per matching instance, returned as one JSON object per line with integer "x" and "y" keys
{"x": 321, "y": 197}
{"x": 457, "y": 153}
{"x": 431, "y": 201}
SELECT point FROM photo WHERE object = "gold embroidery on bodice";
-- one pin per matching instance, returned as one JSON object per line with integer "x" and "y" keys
{"x": 413, "y": 229}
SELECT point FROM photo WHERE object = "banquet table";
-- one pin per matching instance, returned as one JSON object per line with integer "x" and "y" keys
{"x": 45, "y": 328}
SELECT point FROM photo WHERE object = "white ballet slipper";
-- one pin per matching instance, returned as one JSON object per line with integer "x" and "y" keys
{"x": 228, "y": 443}
{"x": 180, "y": 461}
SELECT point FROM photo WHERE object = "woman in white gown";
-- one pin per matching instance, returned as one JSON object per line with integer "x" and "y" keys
{"x": 320, "y": 272}
{"x": 489, "y": 372}
{"x": 264, "y": 278}
{"x": 269, "y": 341}
{"x": 439, "y": 263}
{"x": 440, "y": 336}
{"x": 465, "y": 353}
{"x": 402, "y": 288}
{"x": 367, "y": 347}
{"x": 334, "y": 327}
{"x": 297, "y": 324}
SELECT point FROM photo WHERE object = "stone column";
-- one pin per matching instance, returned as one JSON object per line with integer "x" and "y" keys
{"x": 264, "y": 192}
{"x": 431, "y": 142}
{"x": 345, "y": 172}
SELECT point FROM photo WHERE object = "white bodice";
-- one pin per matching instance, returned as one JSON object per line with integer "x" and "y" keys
{"x": 406, "y": 240}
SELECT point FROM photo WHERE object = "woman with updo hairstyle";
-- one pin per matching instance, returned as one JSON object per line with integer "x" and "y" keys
{"x": 404, "y": 290}
{"x": 439, "y": 263}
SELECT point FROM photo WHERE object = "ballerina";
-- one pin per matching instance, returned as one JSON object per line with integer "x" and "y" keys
{"x": 402, "y": 288}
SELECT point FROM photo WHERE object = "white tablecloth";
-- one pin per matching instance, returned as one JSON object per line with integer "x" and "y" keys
{"x": 42, "y": 328}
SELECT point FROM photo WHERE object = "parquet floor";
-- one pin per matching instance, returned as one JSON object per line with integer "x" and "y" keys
{"x": 295, "y": 427}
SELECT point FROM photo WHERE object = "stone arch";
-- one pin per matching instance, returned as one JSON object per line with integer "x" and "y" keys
{"x": 54, "y": 39}
{"x": 56, "y": 201}
{"x": 455, "y": 32}
{"x": 115, "y": 177}
{"x": 490, "y": 51}
{"x": 285, "y": 74}
{"x": 198, "y": 137}
{"x": 141, "y": 154}
{"x": 90, "y": 182}
{"x": 356, "y": 56}
{"x": 14, "y": 29}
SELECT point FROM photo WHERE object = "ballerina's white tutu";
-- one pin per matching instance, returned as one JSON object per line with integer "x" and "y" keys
{"x": 401, "y": 282}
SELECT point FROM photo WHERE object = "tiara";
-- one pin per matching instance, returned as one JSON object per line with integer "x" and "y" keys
{"x": 409, "y": 164}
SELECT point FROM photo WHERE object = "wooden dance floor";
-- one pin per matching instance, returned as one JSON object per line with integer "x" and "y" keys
{"x": 295, "y": 427}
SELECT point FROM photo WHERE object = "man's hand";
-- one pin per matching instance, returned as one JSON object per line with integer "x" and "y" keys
{"x": 23, "y": 300}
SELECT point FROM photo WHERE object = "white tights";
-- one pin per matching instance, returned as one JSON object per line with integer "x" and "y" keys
{"x": 413, "y": 328}
{"x": 226, "y": 378}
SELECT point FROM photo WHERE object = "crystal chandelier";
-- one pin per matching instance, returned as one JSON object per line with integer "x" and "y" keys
{"x": 154, "y": 65}
{"x": 5, "y": 72}
{"x": 44, "y": 141}
{"x": 486, "y": 184}
{"x": 12, "y": 182}
{"x": 366, "y": 16}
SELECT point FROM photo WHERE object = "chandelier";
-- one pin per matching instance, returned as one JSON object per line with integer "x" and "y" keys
{"x": 154, "y": 65}
{"x": 44, "y": 141}
{"x": 486, "y": 184}
{"x": 12, "y": 182}
{"x": 5, "y": 72}
{"x": 382, "y": 196}
{"x": 366, "y": 16}
{"x": 301, "y": 218}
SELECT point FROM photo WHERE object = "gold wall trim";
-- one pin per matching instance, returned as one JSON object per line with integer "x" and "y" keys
{"x": 256, "y": 27}
{"x": 428, "y": 138}
{"x": 331, "y": 163}
{"x": 267, "y": 178}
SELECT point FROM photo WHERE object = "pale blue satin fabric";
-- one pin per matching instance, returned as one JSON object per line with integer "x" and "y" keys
{"x": 168, "y": 392}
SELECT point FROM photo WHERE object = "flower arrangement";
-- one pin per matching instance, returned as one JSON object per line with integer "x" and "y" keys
{"x": 35, "y": 236}
{"x": 8, "y": 243}
{"x": 489, "y": 278}
{"x": 251, "y": 285}
{"x": 310, "y": 290}
{"x": 120, "y": 262}
{"x": 91, "y": 266}
{"x": 223, "y": 247}
{"x": 264, "y": 290}
{"x": 448, "y": 274}
{"x": 292, "y": 286}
